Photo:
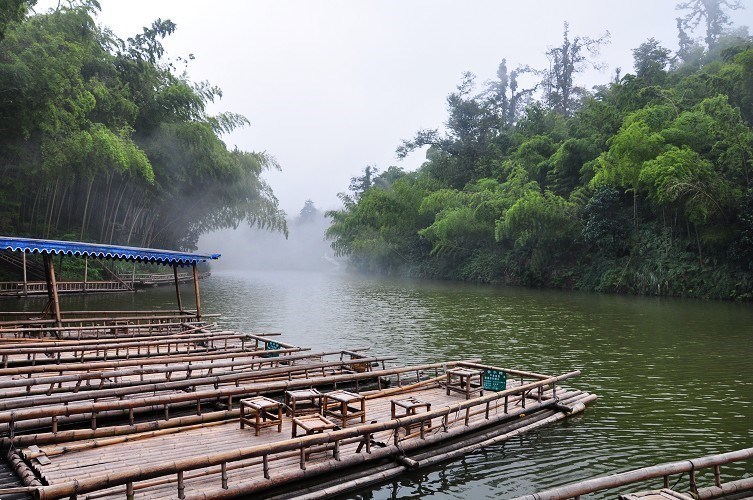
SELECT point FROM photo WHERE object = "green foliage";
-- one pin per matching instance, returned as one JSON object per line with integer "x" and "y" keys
{"x": 643, "y": 186}
{"x": 542, "y": 227}
{"x": 606, "y": 226}
{"x": 103, "y": 139}
{"x": 650, "y": 61}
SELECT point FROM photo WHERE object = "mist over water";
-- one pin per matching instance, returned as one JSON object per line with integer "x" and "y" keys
{"x": 254, "y": 249}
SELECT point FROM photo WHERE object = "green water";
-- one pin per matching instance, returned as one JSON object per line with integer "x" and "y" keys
{"x": 673, "y": 376}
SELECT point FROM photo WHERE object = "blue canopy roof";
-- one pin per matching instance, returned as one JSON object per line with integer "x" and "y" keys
{"x": 76, "y": 248}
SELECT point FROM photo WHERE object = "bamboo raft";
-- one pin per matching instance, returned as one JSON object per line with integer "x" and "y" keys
{"x": 150, "y": 404}
{"x": 150, "y": 410}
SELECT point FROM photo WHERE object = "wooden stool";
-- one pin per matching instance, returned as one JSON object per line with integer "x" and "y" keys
{"x": 461, "y": 379}
{"x": 340, "y": 400}
{"x": 261, "y": 408}
{"x": 410, "y": 405}
{"x": 303, "y": 402}
{"x": 312, "y": 424}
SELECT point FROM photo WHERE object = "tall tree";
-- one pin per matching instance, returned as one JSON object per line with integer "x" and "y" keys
{"x": 308, "y": 213}
{"x": 507, "y": 97}
{"x": 565, "y": 62}
{"x": 650, "y": 60}
{"x": 713, "y": 13}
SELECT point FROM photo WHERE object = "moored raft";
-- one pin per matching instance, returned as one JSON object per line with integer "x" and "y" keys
{"x": 165, "y": 404}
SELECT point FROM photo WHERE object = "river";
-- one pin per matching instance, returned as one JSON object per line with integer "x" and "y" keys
{"x": 674, "y": 377}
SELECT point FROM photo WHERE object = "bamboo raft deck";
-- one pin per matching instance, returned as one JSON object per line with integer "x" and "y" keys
{"x": 88, "y": 459}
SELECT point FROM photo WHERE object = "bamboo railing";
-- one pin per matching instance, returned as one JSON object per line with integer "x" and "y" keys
{"x": 190, "y": 384}
{"x": 62, "y": 408}
{"x": 664, "y": 471}
{"x": 29, "y": 370}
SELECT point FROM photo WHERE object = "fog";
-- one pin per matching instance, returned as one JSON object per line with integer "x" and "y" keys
{"x": 251, "y": 248}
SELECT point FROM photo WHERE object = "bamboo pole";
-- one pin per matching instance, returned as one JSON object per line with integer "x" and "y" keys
{"x": 108, "y": 342}
{"x": 22, "y": 470}
{"x": 24, "y": 407}
{"x": 639, "y": 475}
{"x": 23, "y": 257}
{"x": 87, "y": 374}
{"x": 104, "y": 331}
{"x": 112, "y": 344}
{"x": 520, "y": 373}
{"x": 52, "y": 288}
{"x": 101, "y": 442}
{"x": 86, "y": 271}
{"x": 254, "y": 388}
{"x": 155, "y": 360}
{"x": 119, "y": 430}
{"x": 177, "y": 287}
{"x": 141, "y": 385}
{"x": 727, "y": 489}
{"x": 196, "y": 291}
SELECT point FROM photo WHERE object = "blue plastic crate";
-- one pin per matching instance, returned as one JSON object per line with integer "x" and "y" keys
{"x": 272, "y": 346}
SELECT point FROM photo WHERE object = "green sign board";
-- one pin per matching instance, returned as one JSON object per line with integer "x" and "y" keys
{"x": 495, "y": 380}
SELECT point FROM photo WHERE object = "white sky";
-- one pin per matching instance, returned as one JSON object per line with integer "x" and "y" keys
{"x": 332, "y": 86}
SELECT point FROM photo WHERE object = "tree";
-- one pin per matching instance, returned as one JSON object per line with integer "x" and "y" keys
{"x": 362, "y": 183}
{"x": 101, "y": 139}
{"x": 462, "y": 154}
{"x": 308, "y": 213}
{"x": 633, "y": 145}
{"x": 713, "y": 13}
{"x": 650, "y": 60}
{"x": 605, "y": 224}
{"x": 565, "y": 62}
{"x": 507, "y": 98}
{"x": 13, "y": 11}
{"x": 542, "y": 227}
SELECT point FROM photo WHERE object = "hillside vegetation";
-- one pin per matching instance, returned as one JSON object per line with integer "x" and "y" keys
{"x": 639, "y": 186}
{"x": 108, "y": 140}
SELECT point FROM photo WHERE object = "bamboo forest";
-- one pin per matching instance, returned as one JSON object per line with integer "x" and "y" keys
{"x": 639, "y": 186}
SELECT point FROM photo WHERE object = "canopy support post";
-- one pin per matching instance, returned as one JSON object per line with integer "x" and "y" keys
{"x": 177, "y": 288}
{"x": 52, "y": 287}
{"x": 86, "y": 271}
{"x": 196, "y": 291}
{"x": 26, "y": 286}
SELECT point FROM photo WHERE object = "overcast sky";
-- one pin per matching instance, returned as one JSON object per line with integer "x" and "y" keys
{"x": 332, "y": 86}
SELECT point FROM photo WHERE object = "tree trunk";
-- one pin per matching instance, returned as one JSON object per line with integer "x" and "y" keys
{"x": 698, "y": 241}
{"x": 105, "y": 208}
{"x": 86, "y": 208}
{"x": 114, "y": 217}
{"x": 48, "y": 222}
